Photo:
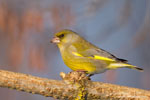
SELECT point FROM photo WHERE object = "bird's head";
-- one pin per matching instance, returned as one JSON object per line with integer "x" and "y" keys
{"x": 64, "y": 37}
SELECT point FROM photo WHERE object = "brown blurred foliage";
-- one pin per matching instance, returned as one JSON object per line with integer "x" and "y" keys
{"x": 62, "y": 15}
{"x": 17, "y": 29}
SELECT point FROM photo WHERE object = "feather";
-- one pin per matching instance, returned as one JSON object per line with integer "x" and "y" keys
{"x": 94, "y": 57}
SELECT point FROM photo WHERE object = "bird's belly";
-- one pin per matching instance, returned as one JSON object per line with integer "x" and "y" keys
{"x": 78, "y": 63}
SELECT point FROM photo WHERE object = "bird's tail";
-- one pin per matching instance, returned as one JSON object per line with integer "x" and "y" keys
{"x": 124, "y": 65}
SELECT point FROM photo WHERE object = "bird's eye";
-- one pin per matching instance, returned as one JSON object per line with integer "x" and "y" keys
{"x": 62, "y": 35}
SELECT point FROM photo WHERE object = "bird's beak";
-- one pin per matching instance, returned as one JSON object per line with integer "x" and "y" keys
{"x": 55, "y": 40}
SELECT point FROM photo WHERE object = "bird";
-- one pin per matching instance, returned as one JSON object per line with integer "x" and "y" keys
{"x": 80, "y": 55}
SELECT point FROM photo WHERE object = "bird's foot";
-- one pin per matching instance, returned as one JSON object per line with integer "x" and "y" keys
{"x": 82, "y": 71}
{"x": 75, "y": 76}
{"x": 89, "y": 75}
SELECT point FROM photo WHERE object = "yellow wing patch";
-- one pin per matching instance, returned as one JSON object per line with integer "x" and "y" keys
{"x": 103, "y": 58}
{"x": 77, "y": 54}
{"x": 94, "y": 57}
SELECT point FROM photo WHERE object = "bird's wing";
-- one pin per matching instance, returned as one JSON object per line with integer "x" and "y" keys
{"x": 99, "y": 54}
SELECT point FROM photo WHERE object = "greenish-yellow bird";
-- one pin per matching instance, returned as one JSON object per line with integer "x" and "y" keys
{"x": 80, "y": 55}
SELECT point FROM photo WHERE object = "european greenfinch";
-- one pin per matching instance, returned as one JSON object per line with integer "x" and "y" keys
{"x": 80, "y": 55}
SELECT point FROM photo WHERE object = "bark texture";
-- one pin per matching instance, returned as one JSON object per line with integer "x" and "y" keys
{"x": 74, "y": 86}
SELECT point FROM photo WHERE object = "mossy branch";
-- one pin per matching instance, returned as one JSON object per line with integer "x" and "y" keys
{"x": 75, "y": 85}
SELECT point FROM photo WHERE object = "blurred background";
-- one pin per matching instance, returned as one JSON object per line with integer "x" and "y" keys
{"x": 121, "y": 27}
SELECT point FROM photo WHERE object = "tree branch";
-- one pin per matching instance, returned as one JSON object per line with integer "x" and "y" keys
{"x": 75, "y": 85}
